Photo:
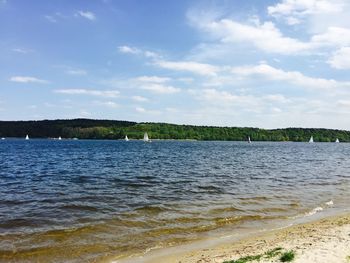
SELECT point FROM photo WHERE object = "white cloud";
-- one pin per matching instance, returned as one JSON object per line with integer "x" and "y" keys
{"x": 271, "y": 110}
{"x": 172, "y": 110}
{"x": 140, "y": 109}
{"x": 86, "y": 14}
{"x": 314, "y": 15}
{"x": 51, "y": 19}
{"x": 344, "y": 103}
{"x": 293, "y": 21}
{"x": 109, "y": 104}
{"x": 303, "y": 7}
{"x": 341, "y": 59}
{"x": 226, "y": 99}
{"x": 100, "y": 93}
{"x": 333, "y": 36}
{"x": 159, "y": 88}
{"x": 190, "y": 66}
{"x": 76, "y": 72}
{"x": 84, "y": 113}
{"x": 228, "y": 35}
{"x": 143, "y": 110}
{"x": 293, "y": 77}
{"x": 227, "y": 103}
{"x": 150, "y": 54}
{"x": 26, "y": 79}
{"x": 139, "y": 98}
{"x": 54, "y": 18}
{"x": 220, "y": 96}
{"x": 294, "y": 9}
{"x": 22, "y": 50}
{"x": 136, "y": 51}
{"x": 154, "y": 79}
{"x": 265, "y": 36}
{"x": 276, "y": 98}
{"x": 130, "y": 50}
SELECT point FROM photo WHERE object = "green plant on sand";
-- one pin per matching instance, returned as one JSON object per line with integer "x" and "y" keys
{"x": 287, "y": 256}
{"x": 245, "y": 259}
{"x": 273, "y": 252}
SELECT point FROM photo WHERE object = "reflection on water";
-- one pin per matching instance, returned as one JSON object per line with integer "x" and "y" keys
{"x": 88, "y": 200}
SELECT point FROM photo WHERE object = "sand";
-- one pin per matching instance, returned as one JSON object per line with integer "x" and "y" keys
{"x": 326, "y": 240}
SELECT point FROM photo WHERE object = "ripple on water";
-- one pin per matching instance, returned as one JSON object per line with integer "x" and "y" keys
{"x": 86, "y": 200}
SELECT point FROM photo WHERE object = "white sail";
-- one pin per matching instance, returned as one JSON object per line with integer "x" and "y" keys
{"x": 249, "y": 141}
{"x": 59, "y": 138}
{"x": 145, "y": 137}
{"x": 126, "y": 138}
{"x": 27, "y": 137}
{"x": 337, "y": 140}
{"x": 311, "y": 139}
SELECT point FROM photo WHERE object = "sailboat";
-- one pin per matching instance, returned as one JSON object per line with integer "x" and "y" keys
{"x": 27, "y": 137}
{"x": 337, "y": 140}
{"x": 126, "y": 138}
{"x": 145, "y": 137}
{"x": 311, "y": 139}
{"x": 249, "y": 141}
{"x": 59, "y": 138}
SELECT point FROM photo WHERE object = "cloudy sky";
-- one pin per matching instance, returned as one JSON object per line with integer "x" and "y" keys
{"x": 268, "y": 64}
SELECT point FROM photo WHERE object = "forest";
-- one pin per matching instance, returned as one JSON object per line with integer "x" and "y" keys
{"x": 113, "y": 130}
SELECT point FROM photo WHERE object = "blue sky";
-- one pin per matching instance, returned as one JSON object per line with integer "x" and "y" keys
{"x": 268, "y": 64}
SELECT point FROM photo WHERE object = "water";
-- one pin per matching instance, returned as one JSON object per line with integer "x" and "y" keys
{"x": 79, "y": 201}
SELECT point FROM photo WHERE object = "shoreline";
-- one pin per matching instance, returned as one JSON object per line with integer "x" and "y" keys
{"x": 321, "y": 240}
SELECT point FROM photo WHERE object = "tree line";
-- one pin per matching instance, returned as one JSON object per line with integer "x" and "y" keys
{"x": 109, "y": 129}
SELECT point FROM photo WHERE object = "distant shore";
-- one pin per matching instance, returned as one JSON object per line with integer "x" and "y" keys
{"x": 117, "y": 129}
{"x": 324, "y": 240}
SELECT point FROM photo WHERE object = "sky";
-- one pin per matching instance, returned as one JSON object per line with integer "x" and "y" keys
{"x": 267, "y": 64}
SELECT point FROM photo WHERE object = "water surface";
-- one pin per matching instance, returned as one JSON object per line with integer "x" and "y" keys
{"x": 79, "y": 201}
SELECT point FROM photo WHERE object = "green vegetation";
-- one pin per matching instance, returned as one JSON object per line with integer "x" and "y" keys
{"x": 287, "y": 256}
{"x": 80, "y": 128}
{"x": 107, "y": 129}
{"x": 245, "y": 259}
{"x": 274, "y": 252}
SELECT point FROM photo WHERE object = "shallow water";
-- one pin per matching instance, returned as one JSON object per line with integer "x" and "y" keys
{"x": 78, "y": 201}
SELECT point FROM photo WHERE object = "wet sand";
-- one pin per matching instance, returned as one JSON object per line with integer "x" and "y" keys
{"x": 325, "y": 240}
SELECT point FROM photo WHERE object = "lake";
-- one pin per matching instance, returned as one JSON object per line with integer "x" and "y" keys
{"x": 91, "y": 200}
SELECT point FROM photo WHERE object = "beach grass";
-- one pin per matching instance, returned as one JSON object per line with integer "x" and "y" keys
{"x": 245, "y": 259}
{"x": 285, "y": 256}
{"x": 273, "y": 252}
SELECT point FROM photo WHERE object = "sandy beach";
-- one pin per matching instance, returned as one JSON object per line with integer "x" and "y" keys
{"x": 325, "y": 240}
